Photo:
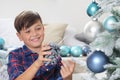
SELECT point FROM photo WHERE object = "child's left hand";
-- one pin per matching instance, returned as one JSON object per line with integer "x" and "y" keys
{"x": 67, "y": 69}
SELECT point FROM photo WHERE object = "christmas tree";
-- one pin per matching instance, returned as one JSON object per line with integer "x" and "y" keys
{"x": 105, "y": 48}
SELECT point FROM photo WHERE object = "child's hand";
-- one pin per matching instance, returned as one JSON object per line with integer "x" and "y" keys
{"x": 44, "y": 50}
{"x": 67, "y": 69}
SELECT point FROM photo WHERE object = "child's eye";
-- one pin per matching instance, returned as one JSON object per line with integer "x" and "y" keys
{"x": 38, "y": 28}
{"x": 27, "y": 31}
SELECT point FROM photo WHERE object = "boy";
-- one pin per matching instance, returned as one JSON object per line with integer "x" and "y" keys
{"x": 27, "y": 62}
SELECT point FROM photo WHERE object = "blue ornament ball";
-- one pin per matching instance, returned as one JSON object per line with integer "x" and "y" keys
{"x": 107, "y": 23}
{"x": 64, "y": 51}
{"x": 96, "y": 61}
{"x": 92, "y": 8}
{"x": 2, "y": 42}
{"x": 85, "y": 50}
{"x": 76, "y": 51}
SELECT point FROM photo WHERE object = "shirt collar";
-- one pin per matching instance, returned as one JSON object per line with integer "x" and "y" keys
{"x": 27, "y": 51}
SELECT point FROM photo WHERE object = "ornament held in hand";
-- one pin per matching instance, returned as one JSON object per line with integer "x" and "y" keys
{"x": 55, "y": 55}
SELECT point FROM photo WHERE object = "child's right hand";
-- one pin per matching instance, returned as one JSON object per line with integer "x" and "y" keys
{"x": 44, "y": 50}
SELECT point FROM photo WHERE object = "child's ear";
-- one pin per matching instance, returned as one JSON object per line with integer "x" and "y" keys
{"x": 19, "y": 36}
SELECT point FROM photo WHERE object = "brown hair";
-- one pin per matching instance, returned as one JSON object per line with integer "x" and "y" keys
{"x": 26, "y": 19}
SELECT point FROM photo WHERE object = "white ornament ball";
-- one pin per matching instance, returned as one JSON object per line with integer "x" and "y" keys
{"x": 92, "y": 28}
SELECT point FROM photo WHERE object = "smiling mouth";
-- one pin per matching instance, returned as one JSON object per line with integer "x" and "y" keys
{"x": 35, "y": 39}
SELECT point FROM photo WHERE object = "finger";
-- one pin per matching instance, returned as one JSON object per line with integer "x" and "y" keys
{"x": 65, "y": 66}
{"x": 46, "y": 59}
{"x": 72, "y": 65}
{"x": 46, "y": 53}
{"x": 61, "y": 71}
{"x": 42, "y": 59}
{"x": 64, "y": 73}
{"x": 45, "y": 48}
{"x": 71, "y": 62}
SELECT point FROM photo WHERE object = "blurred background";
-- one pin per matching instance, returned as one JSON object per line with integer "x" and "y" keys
{"x": 72, "y": 12}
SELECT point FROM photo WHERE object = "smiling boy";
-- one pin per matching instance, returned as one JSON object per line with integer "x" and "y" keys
{"x": 27, "y": 62}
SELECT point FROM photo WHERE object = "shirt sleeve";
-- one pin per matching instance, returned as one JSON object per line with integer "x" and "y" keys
{"x": 14, "y": 65}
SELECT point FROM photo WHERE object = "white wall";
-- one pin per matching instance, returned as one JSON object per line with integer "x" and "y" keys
{"x": 69, "y": 11}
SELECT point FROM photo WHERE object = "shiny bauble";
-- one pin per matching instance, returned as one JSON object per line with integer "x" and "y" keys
{"x": 64, "y": 51}
{"x": 2, "y": 42}
{"x": 91, "y": 29}
{"x": 76, "y": 51}
{"x": 107, "y": 23}
{"x": 85, "y": 50}
{"x": 96, "y": 61}
{"x": 92, "y": 8}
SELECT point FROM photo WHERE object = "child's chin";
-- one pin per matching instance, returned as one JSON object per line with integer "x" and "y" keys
{"x": 36, "y": 45}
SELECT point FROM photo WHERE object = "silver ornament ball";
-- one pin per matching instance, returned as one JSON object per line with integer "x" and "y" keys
{"x": 92, "y": 28}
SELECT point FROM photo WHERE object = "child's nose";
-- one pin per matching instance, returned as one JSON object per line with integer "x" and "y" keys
{"x": 34, "y": 33}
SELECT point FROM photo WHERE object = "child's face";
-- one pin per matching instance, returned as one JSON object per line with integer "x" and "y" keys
{"x": 32, "y": 36}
